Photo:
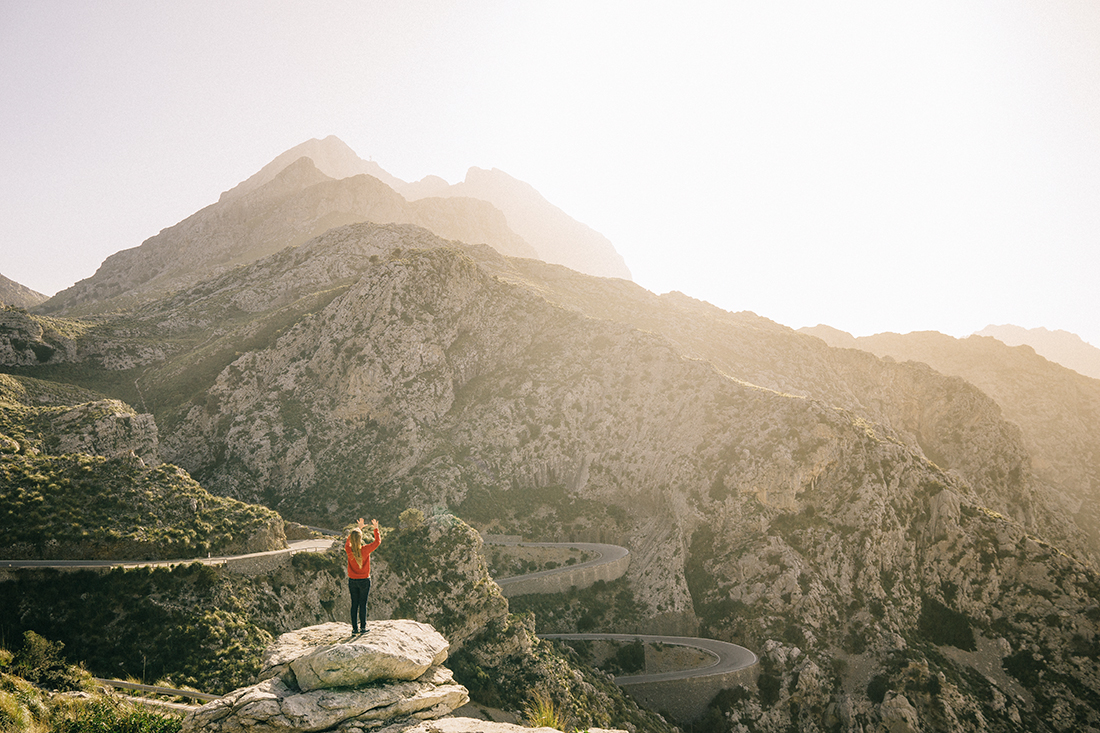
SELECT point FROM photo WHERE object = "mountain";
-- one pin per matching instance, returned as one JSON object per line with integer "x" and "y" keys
{"x": 12, "y": 293}
{"x": 874, "y": 529}
{"x": 322, "y": 184}
{"x": 1057, "y": 409}
{"x": 331, "y": 156}
{"x": 295, "y": 204}
{"x": 1062, "y": 347}
{"x": 556, "y": 236}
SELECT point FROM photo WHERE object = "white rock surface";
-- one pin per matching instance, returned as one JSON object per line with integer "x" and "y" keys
{"x": 322, "y": 678}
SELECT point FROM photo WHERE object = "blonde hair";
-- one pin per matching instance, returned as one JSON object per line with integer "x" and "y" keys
{"x": 357, "y": 545}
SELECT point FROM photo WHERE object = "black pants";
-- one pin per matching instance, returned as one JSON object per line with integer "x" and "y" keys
{"x": 360, "y": 589}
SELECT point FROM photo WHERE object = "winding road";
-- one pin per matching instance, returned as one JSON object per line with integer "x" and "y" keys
{"x": 727, "y": 657}
{"x": 604, "y": 555}
{"x": 292, "y": 548}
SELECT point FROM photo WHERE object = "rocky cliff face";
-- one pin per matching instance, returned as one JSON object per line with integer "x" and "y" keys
{"x": 1056, "y": 409}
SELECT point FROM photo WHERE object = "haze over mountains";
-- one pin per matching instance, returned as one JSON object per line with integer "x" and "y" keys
{"x": 1063, "y": 347}
{"x": 904, "y": 531}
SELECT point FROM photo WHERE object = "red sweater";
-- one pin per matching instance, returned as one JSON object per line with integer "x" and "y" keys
{"x": 355, "y": 570}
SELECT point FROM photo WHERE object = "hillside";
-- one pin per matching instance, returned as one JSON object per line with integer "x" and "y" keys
{"x": 75, "y": 484}
{"x": 205, "y": 627}
{"x": 773, "y": 491}
{"x": 319, "y": 185}
{"x": 1056, "y": 409}
{"x": 12, "y": 293}
{"x": 558, "y": 238}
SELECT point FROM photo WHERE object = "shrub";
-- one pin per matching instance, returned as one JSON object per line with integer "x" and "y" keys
{"x": 40, "y": 661}
{"x": 542, "y": 712}
{"x": 1023, "y": 666}
{"x": 876, "y": 689}
{"x": 14, "y": 717}
{"x": 411, "y": 518}
{"x": 630, "y": 658}
{"x": 945, "y": 626}
{"x": 769, "y": 684}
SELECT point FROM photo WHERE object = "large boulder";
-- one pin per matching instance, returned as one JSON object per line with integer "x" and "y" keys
{"x": 322, "y": 678}
{"x": 393, "y": 650}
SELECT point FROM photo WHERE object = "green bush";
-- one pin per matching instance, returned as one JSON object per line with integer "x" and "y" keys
{"x": 876, "y": 689}
{"x": 542, "y": 712}
{"x": 40, "y": 661}
{"x": 411, "y": 518}
{"x": 630, "y": 658}
{"x": 14, "y": 717}
{"x": 769, "y": 685}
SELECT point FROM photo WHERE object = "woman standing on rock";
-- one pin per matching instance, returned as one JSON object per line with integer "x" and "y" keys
{"x": 359, "y": 573}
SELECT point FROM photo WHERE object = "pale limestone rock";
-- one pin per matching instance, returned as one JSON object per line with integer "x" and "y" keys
{"x": 321, "y": 678}
{"x": 327, "y": 655}
{"x": 395, "y": 650}
{"x": 898, "y": 715}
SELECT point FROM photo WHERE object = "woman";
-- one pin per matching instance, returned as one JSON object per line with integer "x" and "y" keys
{"x": 359, "y": 573}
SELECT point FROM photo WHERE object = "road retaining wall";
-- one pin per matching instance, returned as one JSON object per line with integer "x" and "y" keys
{"x": 686, "y": 700}
{"x": 560, "y": 580}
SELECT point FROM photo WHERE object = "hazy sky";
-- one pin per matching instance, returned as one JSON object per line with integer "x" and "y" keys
{"x": 876, "y": 166}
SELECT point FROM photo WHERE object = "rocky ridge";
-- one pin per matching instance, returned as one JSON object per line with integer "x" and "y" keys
{"x": 297, "y": 204}
{"x": 13, "y": 293}
{"x": 557, "y": 237}
{"x": 1061, "y": 347}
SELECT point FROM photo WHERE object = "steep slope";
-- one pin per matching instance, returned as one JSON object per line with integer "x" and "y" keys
{"x": 295, "y": 205}
{"x": 205, "y": 626}
{"x": 556, "y": 236}
{"x": 1057, "y": 409}
{"x": 1061, "y": 347}
{"x": 948, "y": 420}
{"x": 12, "y": 293}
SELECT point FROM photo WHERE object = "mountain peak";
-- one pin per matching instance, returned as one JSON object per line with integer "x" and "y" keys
{"x": 331, "y": 156}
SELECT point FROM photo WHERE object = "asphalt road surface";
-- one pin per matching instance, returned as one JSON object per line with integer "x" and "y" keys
{"x": 603, "y": 553}
{"x": 293, "y": 547}
{"x": 727, "y": 657}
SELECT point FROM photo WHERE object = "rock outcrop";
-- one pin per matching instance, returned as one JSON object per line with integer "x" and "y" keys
{"x": 1056, "y": 410}
{"x": 323, "y": 678}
